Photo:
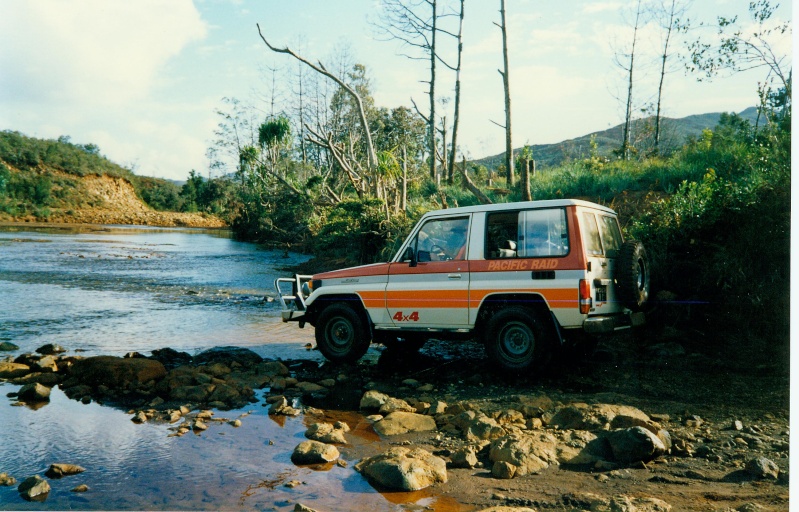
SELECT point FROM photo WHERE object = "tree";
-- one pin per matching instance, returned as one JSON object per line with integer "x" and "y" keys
{"x": 320, "y": 68}
{"x": 456, "y": 119}
{"x": 506, "y": 87}
{"x": 668, "y": 15}
{"x": 735, "y": 50}
{"x": 626, "y": 61}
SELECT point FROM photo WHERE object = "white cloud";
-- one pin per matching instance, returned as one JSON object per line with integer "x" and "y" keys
{"x": 99, "y": 50}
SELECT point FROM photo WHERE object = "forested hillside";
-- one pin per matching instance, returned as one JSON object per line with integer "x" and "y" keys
{"x": 58, "y": 181}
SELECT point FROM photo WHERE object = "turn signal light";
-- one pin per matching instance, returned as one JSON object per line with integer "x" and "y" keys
{"x": 585, "y": 297}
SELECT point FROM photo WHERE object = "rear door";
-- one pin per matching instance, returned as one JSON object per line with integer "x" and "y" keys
{"x": 602, "y": 241}
{"x": 435, "y": 292}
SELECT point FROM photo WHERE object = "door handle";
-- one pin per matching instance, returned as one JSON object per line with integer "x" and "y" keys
{"x": 453, "y": 276}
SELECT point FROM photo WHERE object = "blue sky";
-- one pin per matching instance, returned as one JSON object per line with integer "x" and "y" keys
{"x": 142, "y": 79}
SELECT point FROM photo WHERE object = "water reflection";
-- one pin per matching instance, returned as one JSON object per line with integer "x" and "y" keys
{"x": 112, "y": 290}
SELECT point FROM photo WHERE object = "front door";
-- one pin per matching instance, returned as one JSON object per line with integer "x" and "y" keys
{"x": 435, "y": 291}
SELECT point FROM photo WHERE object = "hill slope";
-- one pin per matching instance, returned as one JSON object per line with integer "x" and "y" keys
{"x": 674, "y": 134}
{"x": 57, "y": 181}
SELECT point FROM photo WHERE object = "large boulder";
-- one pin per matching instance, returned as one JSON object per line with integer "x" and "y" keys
{"x": 59, "y": 470}
{"x": 13, "y": 370}
{"x": 327, "y": 433}
{"x": 594, "y": 417}
{"x": 171, "y": 358}
{"x": 402, "y": 422}
{"x": 373, "y": 399}
{"x": 314, "y": 452}
{"x": 535, "y": 451}
{"x": 117, "y": 372}
{"x": 34, "y": 392}
{"x": 404, "y": 469}
{"x": 51, "y": 349}
{"x": 228, "y": 355}
{"x": 635, "y": 444}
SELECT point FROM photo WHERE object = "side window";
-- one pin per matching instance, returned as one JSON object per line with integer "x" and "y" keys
{"x": 611, "y": 235}
{"x": 442, "y": 240}
{"x": 543, "y": 233}
{"x": 593, "y": 244}
{"x": 501, "y": 235}
{"x": 527, "y": 234}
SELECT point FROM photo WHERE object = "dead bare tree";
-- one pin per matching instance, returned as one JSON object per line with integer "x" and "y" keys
{"x": 627, "y": 63}
{"x": 506, "y": 86}
{"x": 320, "y": 68}
{"x": 668, "y": 14}
{"x": 456, "y": 119}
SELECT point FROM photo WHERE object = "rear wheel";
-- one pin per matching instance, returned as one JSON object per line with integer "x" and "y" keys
{"x": 341, "y": 334}
{"x": 515, "y": 339}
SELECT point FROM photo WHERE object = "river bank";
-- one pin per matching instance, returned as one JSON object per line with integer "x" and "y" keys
{"x": 116, "y": 217}
{"x": 560, "y": 441}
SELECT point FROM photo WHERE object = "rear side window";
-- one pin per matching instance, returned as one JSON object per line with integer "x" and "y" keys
{"x": 611, "y": 235}
{"x": 593, "y": 244}
{"x": 527, "y": 234}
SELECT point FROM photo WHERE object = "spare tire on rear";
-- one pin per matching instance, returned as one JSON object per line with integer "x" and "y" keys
{"x": 632, "y": 275}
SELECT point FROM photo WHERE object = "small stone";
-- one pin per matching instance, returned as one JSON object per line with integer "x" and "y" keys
{"x": 6, "y": 480}
{"x": 140, "y": 417}
{"x": 464, "y": 458}
{"x": 80, "y": 488}
{"x": 737, "y": 425}
{"x": 503, "y": 470}
{"x": 291, "y": 484}
{"x": 7, "y": 346}
{"x": 236, "y": 423}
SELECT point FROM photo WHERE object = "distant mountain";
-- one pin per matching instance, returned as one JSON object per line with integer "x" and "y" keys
{"x": 674, "y": 133}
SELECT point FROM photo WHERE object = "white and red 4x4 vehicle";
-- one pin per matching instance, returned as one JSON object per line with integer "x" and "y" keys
{"x": 520, "y": 277}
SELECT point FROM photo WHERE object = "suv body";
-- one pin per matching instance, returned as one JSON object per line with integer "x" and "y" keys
{"x": 522, "y": 277}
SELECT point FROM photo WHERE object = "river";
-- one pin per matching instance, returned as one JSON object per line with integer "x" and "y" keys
{"x": 117, "y": 289}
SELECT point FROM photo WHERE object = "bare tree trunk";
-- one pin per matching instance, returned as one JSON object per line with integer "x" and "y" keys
{"x": 673, "y": 11}
{"x": 404, "y": 198}
{"x": 432, "y": 119}
{"x": 629, "y": 112}
{"x": 456, "y": 120}
{"x": 526, "y": 165}
{"x": 506, "y": 86}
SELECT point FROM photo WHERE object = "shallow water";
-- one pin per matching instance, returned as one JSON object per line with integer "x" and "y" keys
{"x": 135, "y": 289}
{"x": 127, "y": 289}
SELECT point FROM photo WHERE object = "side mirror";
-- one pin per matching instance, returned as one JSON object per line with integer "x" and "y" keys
{"x": 410, "y": 255}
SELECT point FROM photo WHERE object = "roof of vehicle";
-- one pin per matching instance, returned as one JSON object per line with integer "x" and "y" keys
{"x": 521, "y": 205}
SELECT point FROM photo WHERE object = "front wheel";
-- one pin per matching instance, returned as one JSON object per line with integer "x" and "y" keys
{"x": 341, "y": 334}
{"x": 515, "y": 339}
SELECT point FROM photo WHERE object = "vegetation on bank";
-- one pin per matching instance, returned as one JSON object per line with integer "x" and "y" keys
{"x": 50, "y": 171}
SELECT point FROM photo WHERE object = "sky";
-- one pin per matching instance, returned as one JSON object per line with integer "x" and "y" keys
{"x": 143, "y": 79}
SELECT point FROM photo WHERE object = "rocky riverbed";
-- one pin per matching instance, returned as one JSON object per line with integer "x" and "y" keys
{"x": 634, "y": 427}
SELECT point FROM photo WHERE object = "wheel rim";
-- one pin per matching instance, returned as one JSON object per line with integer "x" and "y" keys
{"x": 340, "y": 334}
{"x": 641, "y": 275}
{"x": 516, "y": 341}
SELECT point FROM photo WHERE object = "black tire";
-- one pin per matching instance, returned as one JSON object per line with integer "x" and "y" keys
{"x": 341, "y": 334}
{"x": 632, "y": 275}
{"x": 515, "y": 339}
